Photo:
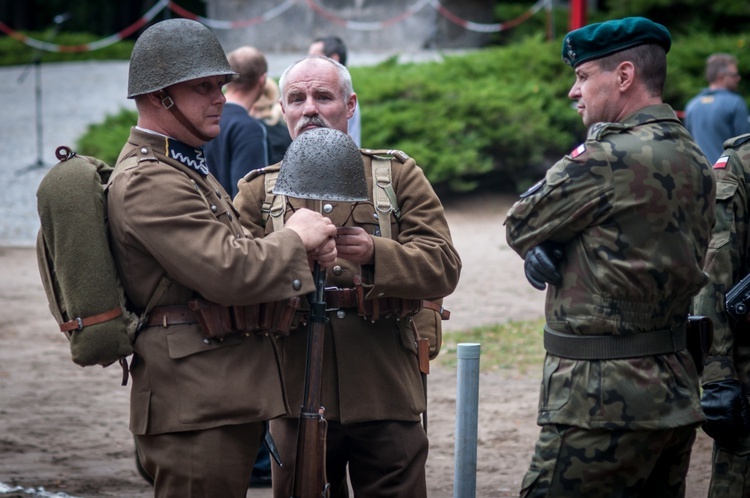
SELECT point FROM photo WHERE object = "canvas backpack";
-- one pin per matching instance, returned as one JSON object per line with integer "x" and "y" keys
{"x": 76, "y": 265}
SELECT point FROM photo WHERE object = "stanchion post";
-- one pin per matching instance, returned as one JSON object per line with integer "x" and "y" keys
{"x": 467, "y": 408}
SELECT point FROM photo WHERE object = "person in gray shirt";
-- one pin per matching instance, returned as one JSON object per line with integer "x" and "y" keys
{"x": 717, "y": 112}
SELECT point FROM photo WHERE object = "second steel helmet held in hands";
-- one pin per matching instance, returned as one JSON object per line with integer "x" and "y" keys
{"x": 174, "y": 51}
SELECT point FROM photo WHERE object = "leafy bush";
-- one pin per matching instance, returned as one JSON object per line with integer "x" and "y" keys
{"x": 488, "y": 111}
{"x": 13, "y": 52}
{"x": 105, "y": 140}
{"x": 496, "y": 118}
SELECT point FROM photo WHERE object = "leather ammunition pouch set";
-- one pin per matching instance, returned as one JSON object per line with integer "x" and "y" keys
{"x": 696, "y": 336}
{"x": 374, "y": 309}
{"x": 278, "y": 318}
{"x": 217, "y": 321}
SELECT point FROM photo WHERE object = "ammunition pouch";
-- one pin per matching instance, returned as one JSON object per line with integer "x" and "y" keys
{"x": 217, "y": 321}
{"x": 370, "y": 309}
{"x": 700, "y": 335}
{"x": 375, "y": 309}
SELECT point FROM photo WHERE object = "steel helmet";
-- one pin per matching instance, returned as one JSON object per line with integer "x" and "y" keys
{"x": 174, "y": 51}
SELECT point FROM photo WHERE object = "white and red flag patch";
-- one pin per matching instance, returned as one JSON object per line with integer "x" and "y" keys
{"x": 578, "y": 151}
{"x": 721, "y": 163}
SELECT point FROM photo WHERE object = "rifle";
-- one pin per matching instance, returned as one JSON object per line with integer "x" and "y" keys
{"x": 737, "y": 300}
{"x": 310, "y": 465}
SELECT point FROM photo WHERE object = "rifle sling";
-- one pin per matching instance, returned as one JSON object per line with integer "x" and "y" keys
{"x": 611, "y": 347}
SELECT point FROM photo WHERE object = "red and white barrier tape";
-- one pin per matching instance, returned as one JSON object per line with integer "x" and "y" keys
{"x": 267, "y": 16}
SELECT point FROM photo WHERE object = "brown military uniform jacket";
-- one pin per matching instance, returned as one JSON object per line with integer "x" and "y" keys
{"x": 370, "y": 370}
{"x": 169, "y": 219}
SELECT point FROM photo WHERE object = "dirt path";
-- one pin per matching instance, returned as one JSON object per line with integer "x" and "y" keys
{"x": 64, "y": 428}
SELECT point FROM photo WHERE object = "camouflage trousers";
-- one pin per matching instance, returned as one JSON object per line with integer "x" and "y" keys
{"x": 572, "y": 462}
{"x": 730, "y": 472}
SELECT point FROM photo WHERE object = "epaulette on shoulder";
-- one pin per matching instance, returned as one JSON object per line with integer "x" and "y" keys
{"x": 599, "y": 130}
{"x": 274, "y": 168}
{"x": 400, "y": 155}
{"x": 736, "y": 142}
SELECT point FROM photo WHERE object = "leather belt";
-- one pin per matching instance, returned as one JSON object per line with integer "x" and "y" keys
{"x": 347, "y": 298}
{"x": 340, "y": 298}
{"x": 164, "y": 316}
{"x": 610, "y": 347}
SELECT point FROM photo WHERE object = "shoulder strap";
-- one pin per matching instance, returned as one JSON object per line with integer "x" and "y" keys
{"x": 383, "y": 196}
{"x": 274, "y": 205}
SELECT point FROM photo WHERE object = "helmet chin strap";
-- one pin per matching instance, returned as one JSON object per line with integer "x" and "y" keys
{"x": 169, "y": 105}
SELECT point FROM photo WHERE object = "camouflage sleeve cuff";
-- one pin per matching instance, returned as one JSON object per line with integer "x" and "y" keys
{"x": 718, "y": 368}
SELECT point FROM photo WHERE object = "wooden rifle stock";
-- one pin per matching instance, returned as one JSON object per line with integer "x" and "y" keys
{"x": 310, "y": 479}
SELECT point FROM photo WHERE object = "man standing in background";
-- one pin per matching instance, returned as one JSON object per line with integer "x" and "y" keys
{"x": 333, "y": 47}
{"x": 717, "y": 112}
{"x": 241, "y": 146}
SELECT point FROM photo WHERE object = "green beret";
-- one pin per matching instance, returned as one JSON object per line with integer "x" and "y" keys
{"x": 605, "y": 38}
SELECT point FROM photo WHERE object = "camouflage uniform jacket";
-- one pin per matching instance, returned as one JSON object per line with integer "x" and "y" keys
{"x": 728, "y": 261}
{"x": 634, "y": 207}
{"x": 167, "y": 218}
{"x": 370, "y": 369}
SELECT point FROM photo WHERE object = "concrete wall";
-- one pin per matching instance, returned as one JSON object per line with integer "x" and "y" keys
{"x": 293, "y": 30}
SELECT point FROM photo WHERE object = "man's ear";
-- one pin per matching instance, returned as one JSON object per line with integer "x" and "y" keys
{"x": 351, "y": 105}
{"x": 625, "y": 75}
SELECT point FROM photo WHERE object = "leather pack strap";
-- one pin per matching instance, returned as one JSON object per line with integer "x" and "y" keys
{"x": 610, "y": 347}
{"x": 79, "y": 322}
{"x": 431, "y": 305}
{"x": 164, "y": 316}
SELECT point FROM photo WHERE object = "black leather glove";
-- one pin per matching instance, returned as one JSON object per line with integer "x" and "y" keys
{"x": 727, "y": 412}
{"x": 540, "y": 264}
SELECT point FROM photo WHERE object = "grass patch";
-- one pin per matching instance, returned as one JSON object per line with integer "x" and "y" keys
{"x": 514, "y": 347}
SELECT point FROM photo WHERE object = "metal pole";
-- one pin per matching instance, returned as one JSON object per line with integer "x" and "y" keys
{"x": 467, "y": 407}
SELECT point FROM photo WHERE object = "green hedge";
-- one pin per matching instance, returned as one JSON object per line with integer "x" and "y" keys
{"x": 14, "y": 53}
{"x": 495, "y": 118}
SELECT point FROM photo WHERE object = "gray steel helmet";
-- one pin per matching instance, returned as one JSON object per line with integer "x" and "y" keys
{"x": 323, "y": 164}
{"x": 174, "y": 51}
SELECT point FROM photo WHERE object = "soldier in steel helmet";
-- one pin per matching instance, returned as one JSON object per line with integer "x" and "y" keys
{"x": 726, "y": 376}
{"x": 202, "y": 384}
{"x": 400, "y": 251}
{"x": 619, "y": 229}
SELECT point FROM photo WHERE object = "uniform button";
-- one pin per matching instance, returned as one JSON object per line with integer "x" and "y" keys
{"x": 327, "y": 208}
{"x": 337, "y": 270}
{"x": 341, "y": 313}
{"x": 144, "y": 150}
{"x": 375, "y": 215}
{"x": 229, "y": 215}
{"x": 213, "y": 208}
{"x": 296, "y": 284}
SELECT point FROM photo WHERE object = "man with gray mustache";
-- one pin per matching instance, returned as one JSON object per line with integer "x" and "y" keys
{"x": 372, "y": 382}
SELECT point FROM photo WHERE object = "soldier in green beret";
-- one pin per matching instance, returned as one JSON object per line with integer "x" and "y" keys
{"x": 726, "y": 377}
{"x": 619, "y": 229}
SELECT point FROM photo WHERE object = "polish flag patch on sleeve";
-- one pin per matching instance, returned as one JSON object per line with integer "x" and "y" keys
{"x": 721, "y": 163}
{"x": 578, "y": 151}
